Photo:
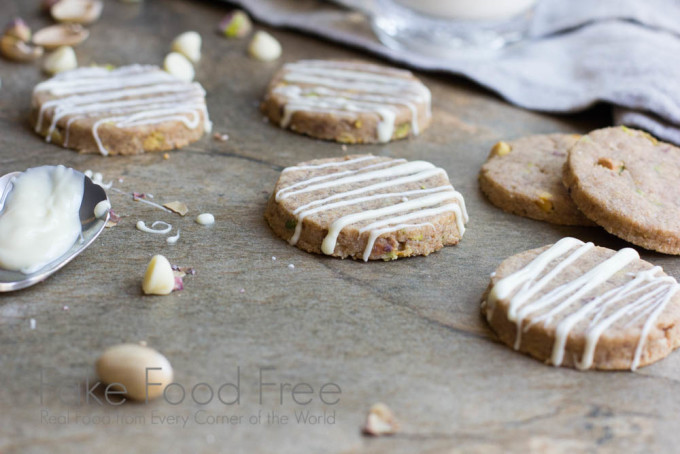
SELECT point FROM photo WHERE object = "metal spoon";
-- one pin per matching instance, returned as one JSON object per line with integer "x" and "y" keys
{"x": 91, "y": 228}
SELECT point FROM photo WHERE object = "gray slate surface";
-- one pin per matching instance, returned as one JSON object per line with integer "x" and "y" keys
{"x": 407, "y": 333}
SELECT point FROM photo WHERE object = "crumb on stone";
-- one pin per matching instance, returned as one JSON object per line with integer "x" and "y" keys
{"x": 380, "y": 421}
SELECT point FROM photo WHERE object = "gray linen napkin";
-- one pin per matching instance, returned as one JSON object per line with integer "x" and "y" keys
{"x": 624, "y": 52}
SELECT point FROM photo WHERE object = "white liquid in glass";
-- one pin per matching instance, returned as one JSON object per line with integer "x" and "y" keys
{"x": 469, "y": 9}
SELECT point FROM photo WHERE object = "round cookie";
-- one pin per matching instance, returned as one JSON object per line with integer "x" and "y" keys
{"x": 628, "y": 182}
{"x": 122, "y": 111}
{"x": 367, "y": 207}
{"x": 578, "y": 305}
{"x": 524, "y": 177}
{"x": 347, "y": 101}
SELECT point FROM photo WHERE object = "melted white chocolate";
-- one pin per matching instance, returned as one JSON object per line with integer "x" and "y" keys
{"x": 644, "y": 296}
{"x": 129, "y": 96}
{"x": 348, "y": 88}
{"x": 41, "y": 218}
{"x": 368, "y": 175}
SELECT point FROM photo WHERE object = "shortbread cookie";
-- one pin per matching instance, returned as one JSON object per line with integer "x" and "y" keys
{"x": 347, "y": 101}
{"x": 128, "y": 110}
{"x": 578, "y": 305}
{"x": 367, "y": 207}
{"x": 524, "y": 177}
{"x": 629, "y": 183}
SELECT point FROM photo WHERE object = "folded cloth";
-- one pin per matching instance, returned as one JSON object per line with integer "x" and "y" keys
{"x": 623, "y": 52}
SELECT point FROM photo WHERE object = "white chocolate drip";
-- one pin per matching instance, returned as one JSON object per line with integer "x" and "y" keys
{"x": 397, "y": 207}
{"x": 102, "y": 208}
{"x": 173, "y": 239}
{"x": 129, "y": 96}
{"x": 346, "y": 88}
{"x": 645, "y": 295}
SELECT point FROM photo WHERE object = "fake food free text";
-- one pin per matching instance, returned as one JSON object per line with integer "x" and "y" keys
{"x": 267, "y": 390}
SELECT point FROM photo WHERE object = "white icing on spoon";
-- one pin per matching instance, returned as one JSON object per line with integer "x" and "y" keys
{"x": 40, "y": 220}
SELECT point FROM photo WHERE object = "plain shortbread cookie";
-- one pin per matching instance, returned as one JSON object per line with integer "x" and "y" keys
{"x": 524, "y": 177}
{"x": 629, "y": 183}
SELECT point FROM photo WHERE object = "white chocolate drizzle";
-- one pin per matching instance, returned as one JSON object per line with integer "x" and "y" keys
{"x": 165, "y": 227}
{"x": 645, "y": 295}
{"x": 398, "y": 209}
{"x": 348, "y": 88}
{"x": 129, "y": 96}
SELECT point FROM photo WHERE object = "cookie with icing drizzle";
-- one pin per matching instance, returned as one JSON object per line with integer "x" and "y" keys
{"x": 629, "y": 183}
{"x": 367, "y": 207}
{"x": 122, "y": 111}
{"x": 348, "y": 101}
{"x": 524, "y": 177}
{"x": 578, "y": 305}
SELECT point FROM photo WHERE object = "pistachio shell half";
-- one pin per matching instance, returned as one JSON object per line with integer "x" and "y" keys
{"x": 17, "y": 28}
{"x": 17, "y": 50}
{"x": 60, "y": 35}
{"x": 77, "y": 11}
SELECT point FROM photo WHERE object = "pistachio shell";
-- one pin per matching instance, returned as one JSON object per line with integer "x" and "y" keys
{"x": 17, "y": 50}
{"x": 177, "y": 207}
{"x": 77, "y": 11}
{"x": 17, "y": 28}
{"x": 60, "y": 35}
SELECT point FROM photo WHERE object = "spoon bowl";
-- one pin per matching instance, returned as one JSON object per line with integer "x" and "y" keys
{"x": 91, "y": 228}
